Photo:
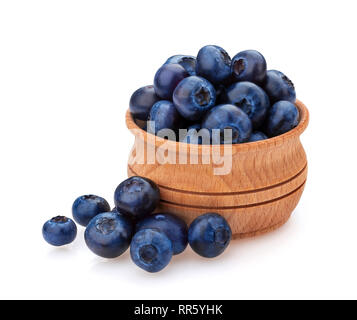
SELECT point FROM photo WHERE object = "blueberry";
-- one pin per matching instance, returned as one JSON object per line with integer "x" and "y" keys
{"x": 249, "y": 65}
{"x": 193, "y": 97}
{"x": 119, "y": 212}
{"x": 283, "y": 116}
{"x": 251, "y": 99}
{"x": 167, "y": 78}
{"x": 209, "y": 235}
{"x": 88, "y": 206}
{"x": 213, "y": 63}
{"x": 141, "y": 123}
{"x": 188, "y": 62}
{"x": 196, "y": 135}
{"x": 257, "y": 136}
{"x": 163, "y": 115}
{"x": 173, "y": 227}
{"x": 141, "y": 102}
{"x": 137, "y": 197}
{"x": 108, "y": 235}
{"x": 151, "y": 250}
{"x": 228, "y": 116}
{"x": 196, "y": 126}
{"x": 191, "y": 135}
{"x": 221, "y": 94}
{"x": 279, "y": 87}
{"x": 59, "y": 231}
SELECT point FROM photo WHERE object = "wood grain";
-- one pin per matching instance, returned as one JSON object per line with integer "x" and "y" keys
{"x": 260, "y": 193}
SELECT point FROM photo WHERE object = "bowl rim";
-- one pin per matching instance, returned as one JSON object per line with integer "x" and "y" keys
{"x": 248, "y": 146}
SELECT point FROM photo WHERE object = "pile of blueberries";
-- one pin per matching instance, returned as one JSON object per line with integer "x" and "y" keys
{"x": 153, "y": 237}
{"x": 213, "y": 91}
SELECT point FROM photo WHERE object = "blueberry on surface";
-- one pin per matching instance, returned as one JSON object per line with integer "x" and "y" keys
{"x": 279, "y": 87}
{"x": 257, "y": 136}
{"x": 59, "y": 231}
{"x": 167, "y": 78}
{"x": 209, "y": 235}
{"x": 249, "y": 65}
{"x": 282, "y": 117}
{"x": 151, "y": 250}
{"x": 173, "y": 227}
{"x": 251, "y": 99}
{"x": 137, "y": 197}
{"x": 141, "y": 102}
{"x": 188, "y": 62}
{"x": 230, "y": 117}
{"x": 213, "y": 63}
{"x": 88, "y": 206}
{"x": 193, "y": 97}
{"x": 163, "y": 115}
{"x": 108, "y": 234}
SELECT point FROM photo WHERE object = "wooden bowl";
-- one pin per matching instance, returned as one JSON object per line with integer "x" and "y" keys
{"x": 257, "y": 196}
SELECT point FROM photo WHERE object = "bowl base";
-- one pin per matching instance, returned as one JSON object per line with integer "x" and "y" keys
{"x": 260, "y": 232}
{"x": 245, "y": 221}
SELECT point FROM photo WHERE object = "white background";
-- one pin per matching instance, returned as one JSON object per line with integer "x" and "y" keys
{"x": 67, "y": 70}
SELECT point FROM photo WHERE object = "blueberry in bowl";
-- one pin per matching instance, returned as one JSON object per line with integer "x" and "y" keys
{"x": 221, "y": 94}
{"x": 59, "y": 231}
{"x": 167, "y": 78}
{"x": 209, "y": 235}
{"x": 283, "y": 116}
{"x": 174, "y": 228}
{"x": 151, "y": 250}
{"x": 163, "y": 115}
{"x": 108, "y": 234}
{"x": 195, "y": 126}
{"x": 196, "y": 135}
{"x": 141, "y": 102}
{"x": 257, "y": 136}
{"x": 228, "y": 117}
{"x": 88, "y": 206}
{"x": 249, "y": 65}
{"x": 193, "y": 97}
{"x": 214, "y": 64}
{"x": 251, "y": 99}
{"x": 279, "y": 87}
{"x": 188, "y": 62}
{"x": 137, "y": 197}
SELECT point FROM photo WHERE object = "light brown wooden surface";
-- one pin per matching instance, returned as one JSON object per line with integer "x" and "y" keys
{"x": 260, "y": 193}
